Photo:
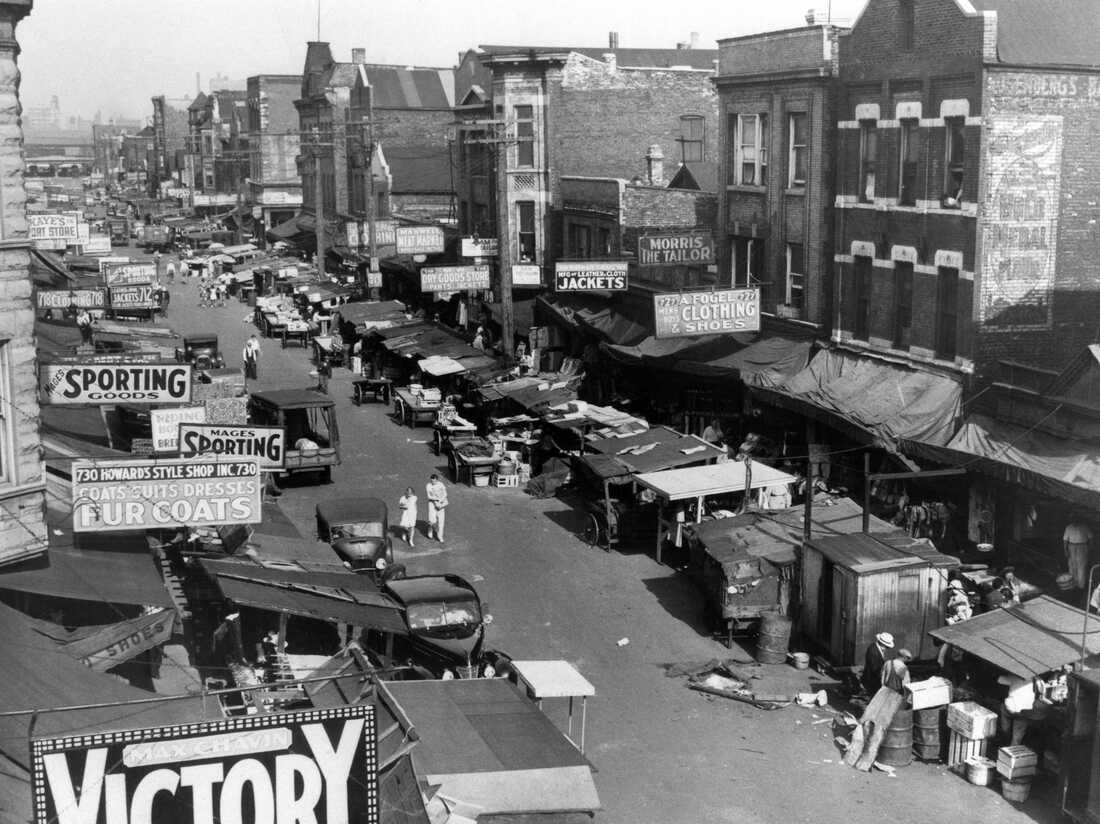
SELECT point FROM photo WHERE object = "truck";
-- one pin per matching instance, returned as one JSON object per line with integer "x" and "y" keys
{"x": 119, "y": 230}
{"x": 309, "y": 419}
{"x": 156, "y": 237}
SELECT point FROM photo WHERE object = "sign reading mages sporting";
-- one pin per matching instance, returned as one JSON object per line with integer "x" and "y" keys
{"x": 309, "y": 766}
{"x": 104, "y": 383}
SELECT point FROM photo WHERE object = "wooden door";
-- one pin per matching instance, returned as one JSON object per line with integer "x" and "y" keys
{"x": 840, "y": 618}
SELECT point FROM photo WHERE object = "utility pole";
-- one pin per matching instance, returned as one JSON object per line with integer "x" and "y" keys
{"x": 318, "y": 202}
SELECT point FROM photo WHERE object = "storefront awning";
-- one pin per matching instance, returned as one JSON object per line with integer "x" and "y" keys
{"x": 669, "y": 353}
{"x": 656, "y": 449}
{"x": 715, "y": 479}
{"x": 766, "y": 363}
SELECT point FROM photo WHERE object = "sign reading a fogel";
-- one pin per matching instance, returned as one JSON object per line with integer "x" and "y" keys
{"x": 310, "y": 766}
{"x": 138, "y": 296}
{"x": 706, "y": 313}
{"x": 151, "y": 494}
{"x": 95, "y": 383}
{"x": 480, "y": 247}
{"x": 53, "y": 227}
{"x": 265, "y": 444}
{"x": 590, "y": 276}
{"x": 690, "y": 248}
{"x": 81, "y": 298}
{"x": 166, "y": 425}
{"x": 453, "y": 278}
{"x": 418, "y": 240}
{"x": 130, "y": 273}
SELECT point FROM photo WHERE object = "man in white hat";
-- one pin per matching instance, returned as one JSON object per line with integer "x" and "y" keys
{"x": 875, "y": 660}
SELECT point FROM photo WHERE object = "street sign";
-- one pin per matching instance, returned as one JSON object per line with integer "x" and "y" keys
{"x": 166, "y": 425}
{"x": 97, "y": 383}
{"x": 474, "y": 247}
{"x": 63, "y": 299}
{"x": 590, "y": 276}
{"x": 265, "y": 444}
{"x": 453, "y": 278}
{"x": 526, "y": 274}
{"x": 706, "y": 313}
{"x": 419, "y": 240}
{"x": 687, "y": 248}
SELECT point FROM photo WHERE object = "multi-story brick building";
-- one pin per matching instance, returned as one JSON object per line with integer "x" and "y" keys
{"x": 170, "y": 132}
{"x": 218, "y": 157}
{"x": 274, "y": 185}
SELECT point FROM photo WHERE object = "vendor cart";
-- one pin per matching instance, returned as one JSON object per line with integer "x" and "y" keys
{"x": 379, "y": 388}
{"x": 608, "y": 490}
{"x": 451, "y": 432}
{"x": 326, "y": 346}
{"x": 472, "y": 460}
{"x": 411, "y": 409}
{"x": 296, "y": 331}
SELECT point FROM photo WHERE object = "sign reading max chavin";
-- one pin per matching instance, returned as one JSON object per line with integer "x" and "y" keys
{"x": 310, "y": 766}
{"x": 706, "y": 313}
{"x": 99, "y": 383}
{"x": 266, "y": 444}
{"x": 590, "y": 276}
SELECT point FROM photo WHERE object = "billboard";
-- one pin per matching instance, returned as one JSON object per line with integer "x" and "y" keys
{"x": 706, "y": 313}
{"x": 264, "y": 444}
{"x": 97, "y": 245}
{"x": 588, "y": 276}
{"x": 684, "y": 249}
{"x": 118, "y": 274}
{"x": 136, "y": 296}
{"x": 418, "y": 240}
{"x": 526, "y": 274}
{"x": 453, "y": 278}
{"x": 314, "y": 765}
{"x": 480, "y": 247}
{"x": 63, "y": 299}
{"x": 53, "y": 228}
{"x": 99, "y": 383}
{"x": 140, "y": 493}
{"x": 166, "y": 425}
{"x": 110, "y": 260}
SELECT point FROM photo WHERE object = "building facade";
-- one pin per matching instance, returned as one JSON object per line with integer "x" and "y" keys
{"x": 274, "y": 192}
{"x": 218, "y": 155}
{"x": 170, "y": 133}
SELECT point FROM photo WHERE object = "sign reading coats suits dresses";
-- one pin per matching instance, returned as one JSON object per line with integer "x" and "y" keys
{"x": 706, "y": 313}
{"x": 453, "y": 278}
{"x": 99, "y": 383}
{"x": 590, "y": 276}
{"x": 419, "y": 240}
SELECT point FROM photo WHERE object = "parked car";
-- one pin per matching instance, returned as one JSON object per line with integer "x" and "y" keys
{"x": 309, "y": 418}
{"x": 202, "y": 351}
{"x": 358, "y": 531}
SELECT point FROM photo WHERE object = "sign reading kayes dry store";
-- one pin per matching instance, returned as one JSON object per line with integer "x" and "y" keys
{"x": 99, "y": 383}
{"x": 310, "y": 766}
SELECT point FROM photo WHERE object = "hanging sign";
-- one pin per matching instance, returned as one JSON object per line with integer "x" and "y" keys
{"x": 688, "y": 248}
{"x": 590, "y": 276}
{"x": 706, "y": 313}
{"x": 80, "y": 298}
{"x": 96, "y": 383}
{"x": 53, "y": 228}
{"x": 453, "y": 278}
{"x": 166, "y": 425}
{"x": 475, "y": 247}
{"x": 265, "y": 444}
{"x": 138, "y": 296}
{"x": 130, "y": 273}
{"x": 419, "y": 240}
{"x": 526, "y": 274}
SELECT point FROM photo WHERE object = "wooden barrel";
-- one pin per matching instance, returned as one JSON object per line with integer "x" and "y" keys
{"x": 773, "y": 638}
{"x": 1017, "y": 790}
{"x": 897, "y": 745}
{"x": 927, "y": 738}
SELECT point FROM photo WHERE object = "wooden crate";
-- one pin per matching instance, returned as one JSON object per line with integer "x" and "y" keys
{"x": 501, "y": 481}
{"x": 971, "y": 719}
{"x": 934, "y": 692}
{"x": 1017, "y": 762}
{"x": 960, "y": 748}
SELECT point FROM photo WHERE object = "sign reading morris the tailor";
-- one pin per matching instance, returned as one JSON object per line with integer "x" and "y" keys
{"x": 139, "y": 493}
{"x": 136, "y": 296}
{"x": 689, "y": 248}
{"x": 130, "y": 273}
{"x": 590, "y": 276}
{"x": 317, "y": 766}
{"x": 53, "y": 227}
{"x": 166, "y": 425}
{"x": 706, "y": 313}
{"x": 98, "y": 383}
{"x": 80, "y": 298}
{"x": 453, "y": 278}
{"x": 419, "y": 240}
{"x": 265, "y": 444}
{"x": 475, "y": 247}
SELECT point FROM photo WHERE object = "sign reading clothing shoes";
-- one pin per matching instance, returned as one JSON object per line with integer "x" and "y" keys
{"x": 152, "y": 494}
{"x": 453, "y": 278}
{"x": 590, "y": 276}
{"x": 311, "y": 766}
{"x": 706, "y": 313}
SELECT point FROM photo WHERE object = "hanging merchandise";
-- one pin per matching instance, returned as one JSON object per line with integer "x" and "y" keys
{"x": 981, "y": 515}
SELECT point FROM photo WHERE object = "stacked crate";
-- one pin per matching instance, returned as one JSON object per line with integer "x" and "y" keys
{"x": 971, "y": 725}
{"x": 1017, "y": 766}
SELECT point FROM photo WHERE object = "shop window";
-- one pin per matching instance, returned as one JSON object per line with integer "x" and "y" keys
{"x": 525, "y": 135}
{"x": 604, "y": 243}
{"x": 748, "y": 261}
{"x": 954, "y": 163}
{"x": 526, "y": 213}
{"x": 798, "y": 137}
{"x": 692, "y": 131}
{"x": 751, "y": 158}
{"x": 906, "y": 25}
{"x": 796, "y": 276}
{"x": 947, "y": 312}
{"x": 868, "y": 151}
{"x": 580, "y": 239}
{"x": 861, "y": 286}
{"x": 903, "y": 304}
{"x": 909, "y": 158}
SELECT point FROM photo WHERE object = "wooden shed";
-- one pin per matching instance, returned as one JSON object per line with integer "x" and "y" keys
{"x": 855, "y": 586}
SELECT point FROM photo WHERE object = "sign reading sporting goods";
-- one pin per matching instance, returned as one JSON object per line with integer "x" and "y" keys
{"x": 265, "y": 444}
{"x": 309, "y": 766}
{"x": 130, "y": 273}
{"x": 590, "y": 276}
{"x": 706, "y": 313}
{"x": 98, "y": 383}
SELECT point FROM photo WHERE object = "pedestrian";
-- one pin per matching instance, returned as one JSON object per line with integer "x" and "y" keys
{"x": 84, "y": 324}
{"x": 1077, "y": 545}
{"x": 324, "y": 372}
{"x": 895, "y": 672}
{"x": 958, "y": 603}
{"x": 251, "y": 356}
{"x": 437, "y": 507}
{"x": 713, "y": 433}
{"x": 479, "y": 339}
{"x": 875, "y": 660}
{"x": 407, "y": 505}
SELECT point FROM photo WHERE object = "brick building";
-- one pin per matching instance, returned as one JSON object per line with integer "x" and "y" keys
{"x": 274, "y": 185}
{"x": 217, "y": 149}
{"x": 170, "y": 131}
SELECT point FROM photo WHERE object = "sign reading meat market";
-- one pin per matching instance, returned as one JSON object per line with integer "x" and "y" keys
{"x": 310, "y": 766}
{"x": 265, "y": 444}
{"x": 63, "y": 299}
{"x": 590, "y": 276}
{"x": 706, "y": 313}
{"x": 453, "y": 278}
{"x": 104, "y": 383}
{"x": 151, "y": 494}
{"x": 418, "y": 240}
{"x": 689, "y": 248}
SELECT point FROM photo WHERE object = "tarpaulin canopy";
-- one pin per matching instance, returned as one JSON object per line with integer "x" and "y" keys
{"x": 1026, "y": 639}
{"x": 714, "y": 479}
{"x": 888, "y": 401}
{"x": 613, "y": 326}
{"x": 103, "y": 646}
{"x": 532, "y": 394}
{"x": 373, "y": 313}
{"x": 440, "y": 365}
{"x": 298, "y": 226}
{"x": 767, "y": 362}
{"x": 671, "y": 352}
{"x": 657, "y": 449}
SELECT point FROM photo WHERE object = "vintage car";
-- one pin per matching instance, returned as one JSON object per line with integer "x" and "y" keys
{"x": 202, "y": 351}
{"x": 309, "y": 418}
{"x": 358, "y": 531}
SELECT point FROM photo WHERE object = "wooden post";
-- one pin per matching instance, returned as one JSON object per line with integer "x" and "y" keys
{"x": 808, "y": 504}
{"x": 866, "y": 492}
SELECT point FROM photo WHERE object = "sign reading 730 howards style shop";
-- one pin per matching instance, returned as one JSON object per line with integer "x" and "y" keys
{"x": 317, "y": 766}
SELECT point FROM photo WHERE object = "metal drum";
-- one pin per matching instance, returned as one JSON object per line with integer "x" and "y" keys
{"x": 773, "y": 639}
{"x": 897, "y": 745}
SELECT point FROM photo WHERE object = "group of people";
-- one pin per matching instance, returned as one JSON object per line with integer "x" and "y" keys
{"x": 436, "y": 493}
{"x": 882, "y": 667}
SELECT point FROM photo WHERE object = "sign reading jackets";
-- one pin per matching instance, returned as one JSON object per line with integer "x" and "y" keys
{"x": 152, "y": 494}
{"x": 453, "y": 278}
{"x": 137, "y": 296}
{"x": 264, "y": 444}
{"x": 53, "y": 228}
{"x": 688, "y": 249}
{"x": 706, "y": 313}
{"x": 590, "y": 276}
{"x": 98, "y": 383}
{"x": 166, "y": 425}
{"x": 315, "y": 765}
{"x": 130, "y": 273}
{"x": 81, "y": 298}
{"x": 418, "y": 240}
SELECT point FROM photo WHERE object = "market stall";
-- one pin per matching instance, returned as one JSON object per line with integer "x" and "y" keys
{"x": 415, "y": 404}
{"x": 474, "y": 460}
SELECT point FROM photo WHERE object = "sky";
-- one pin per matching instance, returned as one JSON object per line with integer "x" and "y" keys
{"x": 112, "y": 56}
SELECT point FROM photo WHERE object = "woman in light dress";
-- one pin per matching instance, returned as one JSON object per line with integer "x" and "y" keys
{"x": 407, "y": 504}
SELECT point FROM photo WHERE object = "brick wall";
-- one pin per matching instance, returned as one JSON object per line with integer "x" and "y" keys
{"x": 412, "y": 127}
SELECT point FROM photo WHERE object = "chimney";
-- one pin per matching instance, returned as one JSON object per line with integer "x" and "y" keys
{"x": 694, "y": 40}
{"x": 613, "y": 40}
{"x": 359, "y": 56}
{"x": 655, "y": 166}
{"x": 198, "y": 84}
{"x": 611, "y": 61}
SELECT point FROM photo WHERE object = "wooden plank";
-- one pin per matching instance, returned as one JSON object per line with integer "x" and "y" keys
{"x": 875, "y": 721}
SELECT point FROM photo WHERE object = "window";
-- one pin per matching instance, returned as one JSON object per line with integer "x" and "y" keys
{"x": 796, "y": 275}
{"x": 525, "y": 135}
{"x": 861, "y": 285}
{"x": 526, "y": 211}
{"x": 604, "y": 249}
{"x": 906, "y": 25}
{"x": 798, "y": 133}
{"x": 909, "y": 158}
{"x": 954, "y": 163}
{"x": 751, "y": 160}
{"x": 903, "y": 304}
{"x": 947, "y": 312}
{"x": 868, "y": 149}
{"x": 580, "y": 240}
{"x": 748, "y": 261}
{"x": 692, "y": 130}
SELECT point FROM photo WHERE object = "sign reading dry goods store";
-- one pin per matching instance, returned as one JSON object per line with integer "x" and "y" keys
{"x": 99, "y": 383}
{"x": 453, "y": 278}
{"x": 590, "y": 276}
{"x": 61, "y": 299}
{"x": 265, "y": 444}
{"x": 706, "y": 313}
{"x": 150, "y": 494}
{"x": 309, "y": 766}
{"x": 418, "y": 240}
{"x": 690, "y": 248}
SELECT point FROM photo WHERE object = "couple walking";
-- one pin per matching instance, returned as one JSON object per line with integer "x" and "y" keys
{"x": 436, "y": 493}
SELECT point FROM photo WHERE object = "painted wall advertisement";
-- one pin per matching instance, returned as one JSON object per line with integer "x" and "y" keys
{"x": 314, "y": 765}
{"x": 1019, "y": 220}
{"x": 706, "y": 313}
{"x": 166, "y": 425}
{"x": 580, "y": 276}
{"x": 453, "y": 278}
{"x": 264, "y": 444}
{"x": 685, "y": 249}
{"x": 418, "y": 240}
{"x": 98, "y": 383}
{"x": 130, "y": 273}
{"x": 53, "y": 228}
{"x": 63, "y": 299}
{"x": 159, "y": 494}
{"x": 137, "y": 296}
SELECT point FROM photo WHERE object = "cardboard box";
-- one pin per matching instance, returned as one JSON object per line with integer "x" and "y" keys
{"x": 971, "y": 719}
{"x": 933, "y": 692}
{"x": 1017, "y": 762}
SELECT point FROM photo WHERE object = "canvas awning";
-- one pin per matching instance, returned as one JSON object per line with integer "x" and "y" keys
{"x": 714, "y": 479}
{"x": 299, "y": 226}
{"x": 1028, "y": 639}
{"x": 672, "y": 352}
{"x": 657, "y": 449}
{"x": 767, "y": 362}
{"x": 440, "y": 365}
{"x": 102, "y": 647}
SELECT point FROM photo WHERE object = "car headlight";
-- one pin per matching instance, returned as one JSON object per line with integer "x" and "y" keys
{"x": 380, "y": 564}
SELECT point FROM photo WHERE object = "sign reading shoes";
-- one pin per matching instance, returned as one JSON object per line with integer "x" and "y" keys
{"x": 99, "y": 383}
{"x": 590, "y": 276}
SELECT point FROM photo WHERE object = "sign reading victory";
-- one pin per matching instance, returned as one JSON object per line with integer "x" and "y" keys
{"x": 453, "y": 278}
{"x": 151, "y": 494}
{"x": 689, "y": 248}
{"x": 590, "y": 276}
{"x": 99, "y": 383}
{"x": 63, "y": 299}
{"x": 418, "y": 240}
{"x": 264, "y": 444}
{"x": 706, "y": 313}
{"x": 309, "y": 766}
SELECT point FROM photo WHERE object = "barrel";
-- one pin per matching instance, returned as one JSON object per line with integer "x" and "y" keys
{"x": 927, "y": 741}
{"x": 896, "y": 749}
{"x": 1017, "y": 790}
{"x": 773, "y": 638}
{"x": 980, "y": 770}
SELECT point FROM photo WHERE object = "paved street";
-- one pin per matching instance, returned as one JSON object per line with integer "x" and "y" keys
{"x": 662, "y": 753}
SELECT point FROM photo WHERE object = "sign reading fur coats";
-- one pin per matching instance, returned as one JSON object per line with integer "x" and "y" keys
{"x": 706, "y": 313}
{"x": 590, "y": 276}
